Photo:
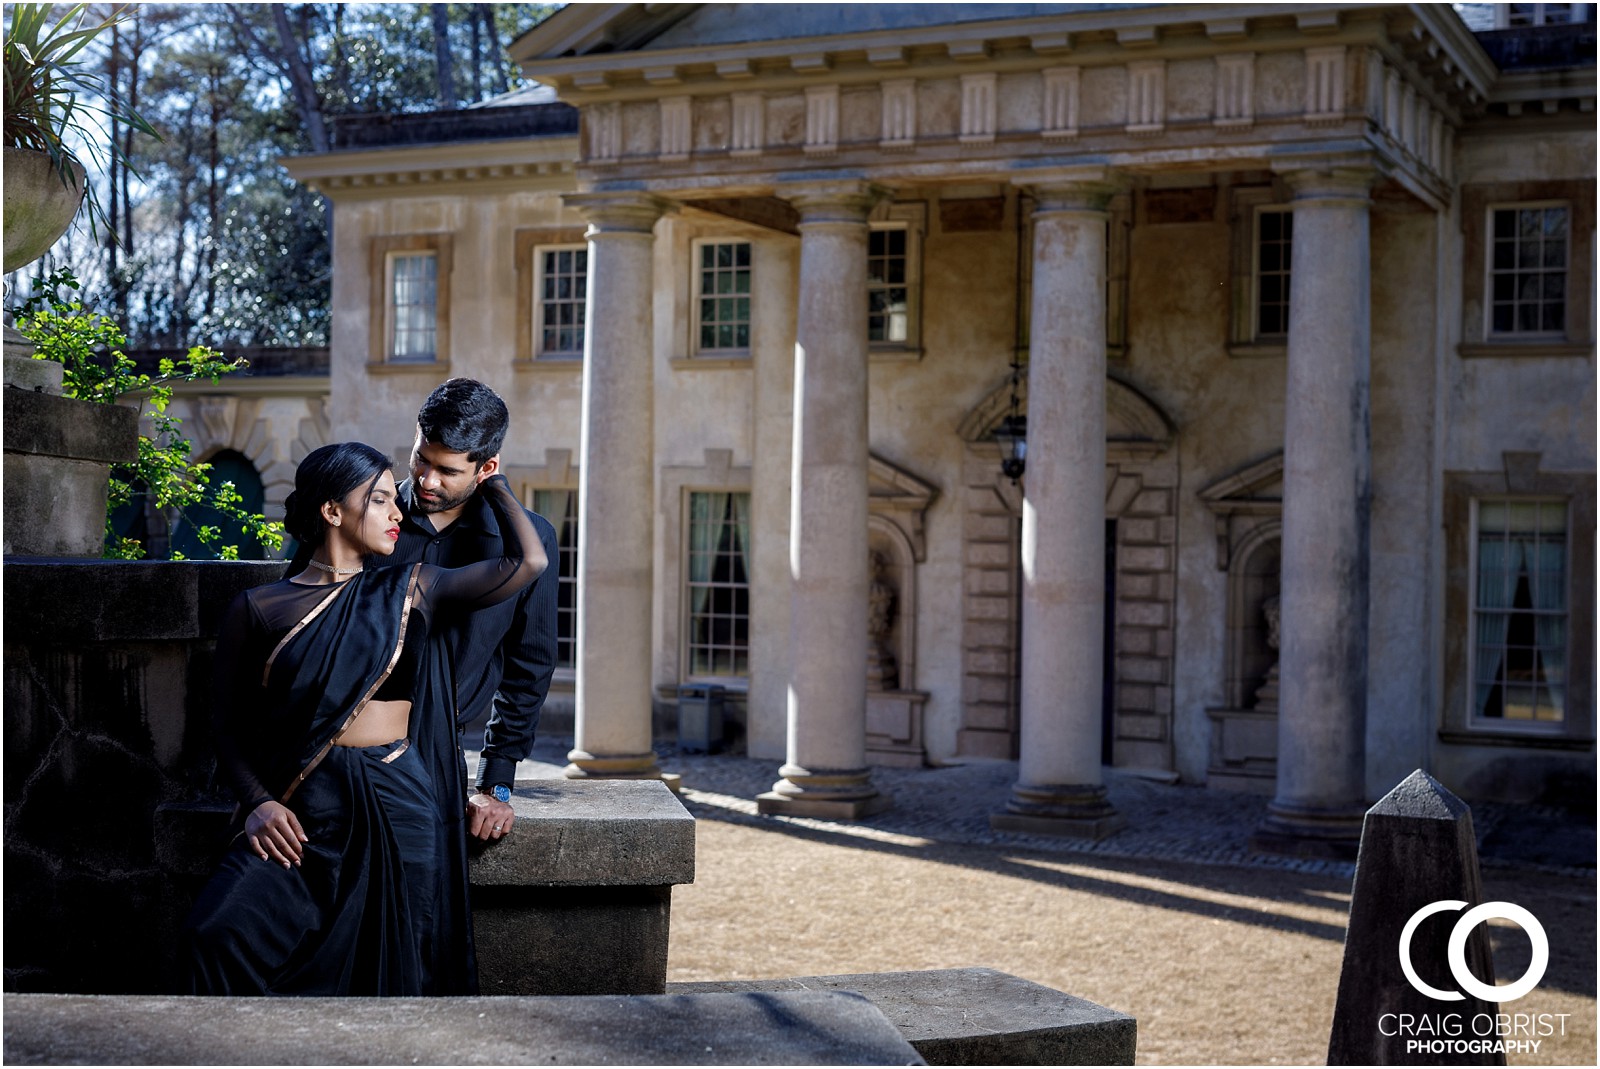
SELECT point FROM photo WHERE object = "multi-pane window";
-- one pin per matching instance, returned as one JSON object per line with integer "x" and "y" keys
{"x": 1528, "y": 269}
{"x": 1542, "y": 14}
{"x": 413, "y": 305}
{"x": 723, "y": 294}
{"x": 560, "y": 507}
{"x": 1519, "y": 612}
{"x": 718, "y": 604}
{"x": 888, "y": 286}
{"x": 563, "y": 298}
{"x": 1273, "y": 244}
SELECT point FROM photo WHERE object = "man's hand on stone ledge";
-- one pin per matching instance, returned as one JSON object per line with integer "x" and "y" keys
{"x": 488, "y": 818}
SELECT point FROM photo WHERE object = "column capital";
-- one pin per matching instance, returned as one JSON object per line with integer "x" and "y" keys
{"x": 1081, "y": 189}
{"x": 621, "y": 210}
{"x": 843, "y": 201}
{"x": 1333, "y": 178}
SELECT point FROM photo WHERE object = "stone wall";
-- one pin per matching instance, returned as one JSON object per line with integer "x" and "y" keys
{"x": 107, "y": 668}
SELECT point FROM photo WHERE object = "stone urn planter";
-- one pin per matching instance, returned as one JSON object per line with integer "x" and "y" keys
{"x": 39, "y": 206}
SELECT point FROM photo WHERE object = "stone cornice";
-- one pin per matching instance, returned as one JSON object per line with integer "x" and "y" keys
{"x": 428, "y": 170}
{"x": 1434, "y": 36}
{"x": 622, "y": 211}
{"x": 265, "y": 386}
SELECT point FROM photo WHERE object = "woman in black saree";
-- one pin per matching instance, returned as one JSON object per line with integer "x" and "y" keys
{"x": 335, "y": 885}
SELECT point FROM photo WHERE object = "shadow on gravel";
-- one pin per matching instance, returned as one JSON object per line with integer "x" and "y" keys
{"x": 1044, "y": 868}
{"x": 1564, "y": 904}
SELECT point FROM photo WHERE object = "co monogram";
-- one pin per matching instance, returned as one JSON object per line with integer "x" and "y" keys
{"x": 1456, "y": 952}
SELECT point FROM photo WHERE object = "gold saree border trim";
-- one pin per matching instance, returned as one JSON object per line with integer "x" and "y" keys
{"x": 405, "y": 744}
{"x": 394, "y": 658}
{"x": 266, "y": 671}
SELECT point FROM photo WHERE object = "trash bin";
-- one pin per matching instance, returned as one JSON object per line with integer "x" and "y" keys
{"x": 700, "y": 719}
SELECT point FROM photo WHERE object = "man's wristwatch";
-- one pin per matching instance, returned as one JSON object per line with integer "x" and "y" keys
{"x": 501, "y": 792}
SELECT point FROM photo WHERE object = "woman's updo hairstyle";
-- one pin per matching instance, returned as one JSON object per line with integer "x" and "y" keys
{"x": 328, "y": 473}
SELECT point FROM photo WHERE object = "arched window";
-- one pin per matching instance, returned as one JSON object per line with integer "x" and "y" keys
{"x": 226, "y": 466}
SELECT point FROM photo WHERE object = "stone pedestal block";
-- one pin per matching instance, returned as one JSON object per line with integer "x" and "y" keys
{"x": 894, "y": 728}
{"x": 577, "y": 899}
{"x": 58, "y": 454}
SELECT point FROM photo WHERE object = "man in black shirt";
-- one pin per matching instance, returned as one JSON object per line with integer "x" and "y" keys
{"x": 500, "y": 658}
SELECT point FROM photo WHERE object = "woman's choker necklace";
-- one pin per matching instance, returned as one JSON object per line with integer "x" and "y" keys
{"x": 331, "y": 570}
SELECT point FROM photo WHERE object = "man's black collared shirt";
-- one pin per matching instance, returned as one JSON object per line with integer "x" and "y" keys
{"x": 504, "y": 654}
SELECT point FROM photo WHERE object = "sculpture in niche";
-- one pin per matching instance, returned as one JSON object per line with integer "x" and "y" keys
{"x": 1267, "y": 693}
{"x": 882, "y": 672}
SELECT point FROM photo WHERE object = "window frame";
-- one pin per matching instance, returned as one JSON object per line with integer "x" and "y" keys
{"x": 382, "y": 253}
{"x": 912, "y": 218}
{"x": 1246, "y": 203}
{"x": 1509, "y": 725}
{"x": 687, "y": 674}
{"x": 1478, "y": 202}
{"x": 1458, "y": 722}
{"x": 696, "y": 350}
{"x": 391, "y": 280}
{"x": 1516, "y": 337}
{"x": 529, "y": 243}
{"x": 540, "y": 302}
{"x": 1257, "y": 335}
{"x": 564, "y": 581}
{"x": 715, "y": 473}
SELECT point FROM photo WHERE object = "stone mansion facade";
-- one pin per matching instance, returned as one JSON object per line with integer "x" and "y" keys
{"x": 1291, "y": 304}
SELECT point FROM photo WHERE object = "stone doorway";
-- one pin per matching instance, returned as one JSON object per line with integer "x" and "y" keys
{"x": 1141, "y": 582}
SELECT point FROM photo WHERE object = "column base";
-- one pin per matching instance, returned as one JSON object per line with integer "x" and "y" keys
{"x": 1328, "y": 833}
{"x": 1071, "y": 812}
{"x": 619, "y": 766}
{"x": 831, "y": 795}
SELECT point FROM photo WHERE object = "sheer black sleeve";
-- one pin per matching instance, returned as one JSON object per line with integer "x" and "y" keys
{"x": 492, "y": 581}
{"x": 235, "y": 694}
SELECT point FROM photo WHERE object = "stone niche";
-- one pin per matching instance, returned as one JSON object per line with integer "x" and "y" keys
{"x": 1248, "y": 507}
{"x": 898, "y": 505}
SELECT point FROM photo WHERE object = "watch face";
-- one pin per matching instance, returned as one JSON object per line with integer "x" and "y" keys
{"x": 502, "y": 793}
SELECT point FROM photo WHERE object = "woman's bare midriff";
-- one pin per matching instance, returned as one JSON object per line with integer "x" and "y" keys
{"x": 379, "y": 723}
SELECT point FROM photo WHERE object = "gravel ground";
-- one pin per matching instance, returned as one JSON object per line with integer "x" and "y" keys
{"x": 1222, "y": 957}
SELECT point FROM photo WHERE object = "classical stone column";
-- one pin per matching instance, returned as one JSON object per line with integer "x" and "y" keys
{"x": 826, "y": 769}
{"x": 616, "y": 491}
{"x": 1321, "y": 787}
{"x": 1060, "y": 789}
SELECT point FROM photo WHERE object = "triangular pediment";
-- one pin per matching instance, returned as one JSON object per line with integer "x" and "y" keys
{"x": 900, "y": 499}
{"x": 888, "y": 484}
{"x": 1256, "y": 488}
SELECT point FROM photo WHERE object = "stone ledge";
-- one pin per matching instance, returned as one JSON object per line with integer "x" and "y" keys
{"x": 975, "y": 1016}
{"x": 591, "y": 833}
{"x": 790, "y": 1028}
{"x": 44, "y": 424}
{"x": 55, "y": 599}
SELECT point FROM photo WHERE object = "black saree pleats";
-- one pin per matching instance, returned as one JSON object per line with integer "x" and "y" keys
{"x": 433, "y": 726}
{"x": 358, "y": 917}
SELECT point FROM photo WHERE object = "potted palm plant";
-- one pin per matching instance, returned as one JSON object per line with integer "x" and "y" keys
{"x": 52, "y": 99}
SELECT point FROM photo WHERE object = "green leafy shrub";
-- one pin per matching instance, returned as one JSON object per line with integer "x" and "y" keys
{"x": 89, "y": 347}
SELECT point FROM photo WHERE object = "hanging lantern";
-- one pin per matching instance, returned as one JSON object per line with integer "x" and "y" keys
{"x": 1012, "y": 434}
